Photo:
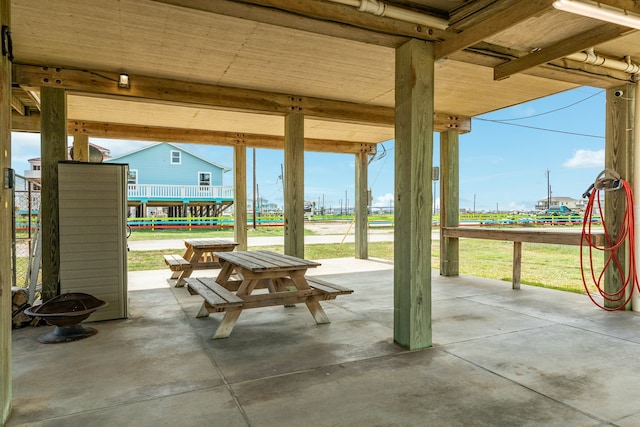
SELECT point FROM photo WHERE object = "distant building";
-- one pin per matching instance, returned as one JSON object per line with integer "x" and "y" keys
{"x": 34, "y": 173}
{"x": 165, "y": 179}
{"x": 571, "y": 203}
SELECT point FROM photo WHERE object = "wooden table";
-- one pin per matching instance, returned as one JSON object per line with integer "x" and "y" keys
{"x": 281, "y": 277}
{"x": 568, "y": 236}
{"x": 199, "y": 255}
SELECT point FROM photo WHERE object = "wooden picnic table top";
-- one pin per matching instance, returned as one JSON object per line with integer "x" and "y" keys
{"x": 209, "y": 243}
{"x": 265, "y": 261}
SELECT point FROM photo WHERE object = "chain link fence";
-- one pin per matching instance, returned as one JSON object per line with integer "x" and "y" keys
{"x": 26, "y": 202}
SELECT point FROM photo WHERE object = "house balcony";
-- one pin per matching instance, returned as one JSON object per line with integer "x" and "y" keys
{"x": 183, "y": 193}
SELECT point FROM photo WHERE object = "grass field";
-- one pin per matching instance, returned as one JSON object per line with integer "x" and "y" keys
{"x": 550, "y": 266}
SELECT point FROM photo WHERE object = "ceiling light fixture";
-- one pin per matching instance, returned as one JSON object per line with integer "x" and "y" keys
{"x": 597, "y": 10}
{"x": 123, "y": 82}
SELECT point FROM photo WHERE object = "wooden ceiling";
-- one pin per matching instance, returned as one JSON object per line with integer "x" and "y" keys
{"x": 219, "y": 67}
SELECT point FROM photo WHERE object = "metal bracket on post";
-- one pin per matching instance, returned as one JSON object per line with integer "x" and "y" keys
{"x": 7, "y": 43}
{"x": 9, "y": 178}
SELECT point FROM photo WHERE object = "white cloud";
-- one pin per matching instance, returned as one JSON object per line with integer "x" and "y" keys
{"x": 586, "y": 159}
{"x": 382, "y": 201}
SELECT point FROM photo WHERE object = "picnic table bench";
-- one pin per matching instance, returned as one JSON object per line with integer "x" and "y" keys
{"x": 518, "y": 236}
{"x": 282, "y": 278}
{"x": 199, "y": 255}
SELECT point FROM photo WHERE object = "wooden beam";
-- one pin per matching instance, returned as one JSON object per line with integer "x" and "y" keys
{"x": 81, "y": 147}
{"x": 492, "y": 25}
{"x": 362, "y": 206}
{"x": 449, "y": 201}
{"x": 561, "y": 49}
{"x": 53, "y": 148}
{"x": 6, "y": 224}
{"x": 240, "y": 196}
{"x": 618, "y": 156}
{"x": 414, "y": 97}
{"x": 196, "y": 136}
{"x": 18, "y": 106}
{"x": 294, "y": 185}
{"x": 317, "y": 16}
{"x": 30, "y": 123}
{"x": 173, "y": 92}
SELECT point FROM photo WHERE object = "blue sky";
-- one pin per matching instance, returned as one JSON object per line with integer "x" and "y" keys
{"x": 502, "y": 163}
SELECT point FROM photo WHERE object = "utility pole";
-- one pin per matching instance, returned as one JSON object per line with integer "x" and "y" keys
{"x": 548, "y": 190}
{"x": 474, "y": 203}
{"x": 259, "y": 201}
{"x": 254, "y": 189}
{"x": 346, "y": 202}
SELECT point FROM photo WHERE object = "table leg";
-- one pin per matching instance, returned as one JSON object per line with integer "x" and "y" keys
{"x": 231, "y": 316}
{"x": 193, "y": 256}
{"x": 517, "y": 264}
{"x": 227, "y": 324}
{"x": 314, "y": 307}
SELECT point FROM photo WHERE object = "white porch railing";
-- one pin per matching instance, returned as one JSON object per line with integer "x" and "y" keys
{"x": 190, "y": 192}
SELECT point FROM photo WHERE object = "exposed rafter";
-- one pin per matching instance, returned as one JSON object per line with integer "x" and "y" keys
{"x": 317, "y": 16}
{"x": 149, "y": 89}
{"x": 492, "y": 25}
{"x": 175, "y": 92}
{"x": 566, "y": 47}
{"x": 18, "y": 106}
{"x": 195, "y": 136}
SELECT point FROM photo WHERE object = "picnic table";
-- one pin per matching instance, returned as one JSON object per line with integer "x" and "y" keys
{"x": 199, "y": 255}
{"x": 570, "y": 236}
{"x": 278, "y": 279}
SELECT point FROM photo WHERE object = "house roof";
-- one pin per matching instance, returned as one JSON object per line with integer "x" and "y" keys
{"x": 176, "y": 147}
{"x": 105, "y": 153}
{"x": 226, "y": 72}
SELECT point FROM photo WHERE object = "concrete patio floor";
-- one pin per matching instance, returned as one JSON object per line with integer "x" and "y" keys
{"x": 500, "y": 357}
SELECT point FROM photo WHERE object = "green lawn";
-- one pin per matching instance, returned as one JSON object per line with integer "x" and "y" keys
{"x": 551, "y": 266}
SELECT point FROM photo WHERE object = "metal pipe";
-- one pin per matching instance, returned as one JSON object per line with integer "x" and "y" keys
{"x": 380, "y": 8}
{"x": 590, "y": 57}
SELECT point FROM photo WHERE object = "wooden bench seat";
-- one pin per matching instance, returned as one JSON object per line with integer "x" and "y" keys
{"x": 330, "y": 289}
{"x": 216, "y": 297}
{"x": 176, "y": 262}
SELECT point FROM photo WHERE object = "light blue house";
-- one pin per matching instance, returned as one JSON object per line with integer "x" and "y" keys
{"x": 166, "y": 176}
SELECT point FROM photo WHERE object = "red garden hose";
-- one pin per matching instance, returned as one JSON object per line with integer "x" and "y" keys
{"x": 609, "y": 180}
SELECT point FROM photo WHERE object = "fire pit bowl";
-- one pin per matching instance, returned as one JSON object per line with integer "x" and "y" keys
{"x": 66, "y": 312}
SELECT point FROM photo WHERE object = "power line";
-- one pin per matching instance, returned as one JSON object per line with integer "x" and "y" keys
{"x": 543, "y": 129}
{"x": 552, "y": 111}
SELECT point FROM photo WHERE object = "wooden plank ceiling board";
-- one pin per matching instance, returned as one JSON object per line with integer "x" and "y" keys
{"x": 126, "y": 112}
{"x": 157, "y": 115}
{"x": 166, "y": 40}
{"x": 453, "y": 85}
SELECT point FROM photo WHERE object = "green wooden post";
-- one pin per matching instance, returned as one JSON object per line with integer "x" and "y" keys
{"x": 449, "y": 201}
{"x": 362, "y": 207}
{"x": 414, "y": 113}
{"x": 294, "y": 185}
{"x": 240, "y": 196}
{"x": 53, "y": 148}
{"x": 6, "y": 210}
{"x": 619, "y": 155}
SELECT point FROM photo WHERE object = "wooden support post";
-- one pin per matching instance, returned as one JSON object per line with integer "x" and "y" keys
{"x": 53, "y": 148}
{"x": 362, "y": 206}
{"x": 81, "y": 147}
{"x": 240, "y": 196}
{"x": 619, "y": 155}
{"x": 517, "y": 265}
{"x": 449, "y": 201}
{"x": 6, "y": 224}
{"x": 294, "y": 185}
{"x": 414, "y": 93}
